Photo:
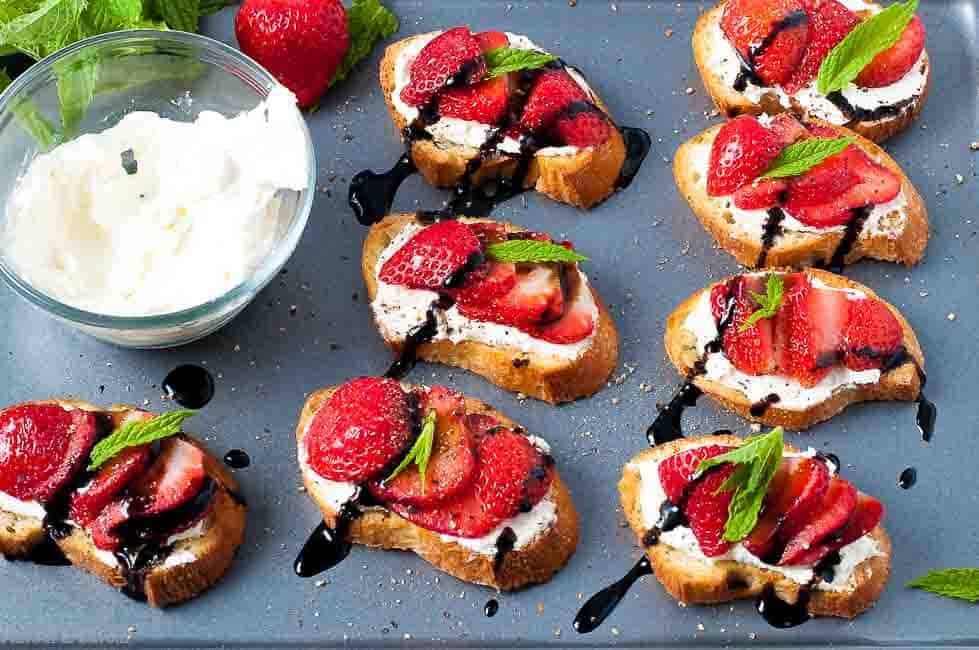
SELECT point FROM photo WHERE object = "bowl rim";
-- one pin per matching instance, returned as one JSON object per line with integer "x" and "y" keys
{"x": 270, "y": 265}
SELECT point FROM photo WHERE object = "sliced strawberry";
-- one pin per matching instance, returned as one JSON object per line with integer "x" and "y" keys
{"x": 818, "y": 320}
{"x": 492, "y": 40}
{"x": 821, "y": 183}
{"x": 41, "y": 447}
{"x": 678, "y": 471}
{"x": 552, "y": 94}
{"x": 513, "y": 475}
{"x": 829, "y": 23}
{"x": 742, "y": 150}
{"x": 873, "y": 334}
{"x": 481, "y": 425}
{"x": 575, "y": 325}
{"x": 489, "y": 281}
{"x": 104, "y": 527}
{"x": 463, "y": 516}
{"x": 485, "y": 102}
{"x": 452, "y": 464}
{"x": 787, "y": 129}
{"x": 720, "y": 295}
{"x": 782, "y": 327}
{"x": 453, "y": 57}
{"x": 707, "y": 509}
{"x": 535, "y": 298}
{"x": 750, "y": 350}
{"x": 174, "y": 478}
{"x": 364, "y": 425}
{"x": 837, "y": 504}
{"x": 771, "y": 34}
{"x": 892, "y": 64}
{"x": 112, "y": 478}
{"x": 588, "y": 127}
{"x": 761, "y": 193}
{"x": 488, "y": 232}
{"x": 867, "y": 514}
{"x": 433, "y": 257}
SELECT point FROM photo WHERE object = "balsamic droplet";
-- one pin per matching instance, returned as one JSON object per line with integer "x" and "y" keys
{"x": 597, "y": 609}
{"x": 908, "y": 478}
{"x": 326, "y": 546}
{"x": 927, "y": 413}
{"x": 667, "y": 426}
{"x": 189, "y": 385}
{"x": 637, "y": 146}
{"x": 781, "y": 614}
{"x": 237, "y": 459}
{"x": 492, "y": 606}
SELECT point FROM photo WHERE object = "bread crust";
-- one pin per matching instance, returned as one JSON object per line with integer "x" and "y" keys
{"x": 694, "y": 581}
{"x": 731, "y": 103}
{"x": 546, "y": 378}
{"x": 583, "y": 179}
{"x": 901, "y": 384}
{"x": 213, "y": 552}
{"x": 381, "y": 528}
{"x": 798, "y": 249}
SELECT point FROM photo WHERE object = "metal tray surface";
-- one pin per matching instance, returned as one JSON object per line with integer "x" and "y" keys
{"x": 311, "y": 328}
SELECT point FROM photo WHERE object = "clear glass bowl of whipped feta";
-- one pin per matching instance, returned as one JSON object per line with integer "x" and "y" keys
{"x": 151, "y": 184}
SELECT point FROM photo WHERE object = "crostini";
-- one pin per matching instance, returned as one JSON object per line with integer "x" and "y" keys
{"x": 816, "y": 543}
{"x": 455, "y": 292}
{"x": 740, "y": 181}
{"x": 485, "y": 107}
{"x": 428, "y": 470}
{"x": 160, "y": 520}
{"x": 765, "y": 56}
{"x": 794, "y": 349}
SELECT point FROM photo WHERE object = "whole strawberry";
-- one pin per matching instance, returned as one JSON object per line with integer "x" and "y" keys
{"x": 301, "y": 42}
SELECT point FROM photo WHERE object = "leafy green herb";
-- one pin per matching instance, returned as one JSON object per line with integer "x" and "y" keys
{"x": 510, "y": 59}
{"x": 757, "y": 460}
{"x": 532, "y": 250}
{"x": 136, "y": 433}
{"x": 951, "y": 583}
{"x": 798, "y": 158}
{"x": 868, "y": 39}
{"x": 368, "y": 21}
{"x": 421, "y": 451}
{"x": 769, "y": 303}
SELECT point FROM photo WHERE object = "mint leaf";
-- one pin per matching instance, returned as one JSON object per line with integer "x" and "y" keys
{"x": 757, "y": 460}
{"x": 182, "y": 15}
{"x": 868, "y": 39}
{"x": 136, "y": 433}
{"x": 769, "y": 303}
{"x": 532, "y": 250}
{"x": 510, "y": 59}
{"x": 950, "y": 583}
{"x": 368, "y": 21}
{"x": 798, "y": 158}
{"x": 420, "y": 451}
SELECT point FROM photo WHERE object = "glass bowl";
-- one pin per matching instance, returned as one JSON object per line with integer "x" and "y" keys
{"x": 177, "y": 75}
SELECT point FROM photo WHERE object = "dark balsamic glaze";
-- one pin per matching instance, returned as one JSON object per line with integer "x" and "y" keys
{"x": 772, "y": 229}
{"x": 667, "y": 426}
{"x": 327, "y": 546}
{"x": 237, "y": 459}
{"x": 189, "y": 385}
{"x": 747, "y": 70}
{"x": 599, "y": 606}
{"x": 781, "y": 614}
{"x": 760, "y": 407}
{"x": 826, "y": 569}
{"x": 371, "y": 195}
{"x": 829, "y": 457}
{"x": 850, "y": 235}
{"x": 417, "y": 336}
{"x": 927, "y": 411}
{"x": 637, "y": 146}
{"x": 856, "y": 113}
{"x": 908, "y": 478}
{"x": 491, "y": 608}
{"x": 504, "y": 544}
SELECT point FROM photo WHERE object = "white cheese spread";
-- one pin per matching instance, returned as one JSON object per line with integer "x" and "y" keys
{"x": 9, "y": 503}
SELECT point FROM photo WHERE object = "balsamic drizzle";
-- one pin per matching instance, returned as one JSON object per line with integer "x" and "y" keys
{"x": 856, "y": 113}
{"x": 371, "y": 195}
{"x": 504, "y": 544}
{"x": 780, "y": 614}
{"x": 189, "y": 385}
{"x": 237, "y": 459}
{"x": 760, "y": 407}
{"x": 747, "y": 72}
{"x": 850, "y": 235}
{"x": 772, "y": 229}
{"x": 327, "y": 546}
{"x": 596, "y": 610}
{"x": 417, "y": 336}
{"x": 908, "y": 478}
{"x": 492, "y": 606}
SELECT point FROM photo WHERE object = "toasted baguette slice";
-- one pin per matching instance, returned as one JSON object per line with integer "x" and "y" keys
{"x": 903, "y": 241}
{"x": 694, "y": 581}
{"x": 547, "y": 378}
{"x": 379, "y": 527}
{"x": 582, "y": 179}
{"x": 902, "y": 383}
{"x": 731, "y": 102}
{"x": 203, "y": 560}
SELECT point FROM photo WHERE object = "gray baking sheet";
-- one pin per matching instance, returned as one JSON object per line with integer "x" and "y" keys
{"x": 311, "y": 327}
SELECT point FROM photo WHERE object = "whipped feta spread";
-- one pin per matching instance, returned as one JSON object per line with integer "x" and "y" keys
{"x": 884, "y": 220}
{"x": 398, "y": 309}
{"x": 793, "y": 395}
{"x": 652, "y": 496}
{"x": 10, "y": 503}
{"x": 154, "y": 216}
{"x": 724, "y": 64}
{"x": 467, "y": 133}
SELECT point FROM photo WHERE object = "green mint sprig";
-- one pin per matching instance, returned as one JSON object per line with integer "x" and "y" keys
{"x": 868, "y": 39}
{"x": 769, "y": 303}
{"x": 532, "y": 251}
{"x": 421, "y": 451}
{"x": 368, "y": 21}
{"x": 510, "y": 59}
{"x": 756, "y": 460}
{"x": 962, "y": 584}
{"x": 799, "y": 157}
{"x": 135, "y": 433}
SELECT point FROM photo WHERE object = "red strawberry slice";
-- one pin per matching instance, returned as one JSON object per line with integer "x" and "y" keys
{"x": 481, "y": 425}
{"x": 752, "y": 350}
{"x": 174, "y": 478}
{"x": 41, "y": 447}
{"x": 818, "y": 319}
{"x": 892, "y": 64}
{"x": 707, "y": 509}
{"x": 552, "y": 94}
{"x": 433, "y": 256}
{"x": 575, "y": 325}
{"x": 797, "y": 488}
{"x": 492, "y": 40}
{"x": 489, "y": 281}
{"x": 782, "y": 327}
{"x": 513, "y": 475}
{"x": 867, "y": 514}
{"x": 112, "y": 478}
{"x": 820, "y": 184}
{"x": 873, "y": 334}
{"x": 536, "y": 297}
{"x": 452, "y": 464}
{"x": 454, "y": 53}
{"x": 760, "y": 194}
{"x": 364, "y": 425}
{"x": 462, "y": 516}
{"x": 769, "y": 33}
{"x": 588, "y": 127}
{"x": 103, "y": 528}
{"x": 678, "y": 471}
{"x": 484, "y": 102}
{"x": 829, "y": 23}
{"x": 828, "y": 517}
{"x": 787, "y": 129}
{"x": 742, "y": 150}
{"x": 488, "y": 232}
